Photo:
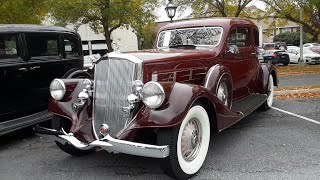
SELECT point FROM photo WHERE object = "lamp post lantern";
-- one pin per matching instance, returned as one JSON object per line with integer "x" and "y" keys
{"x": 171, "y": 10}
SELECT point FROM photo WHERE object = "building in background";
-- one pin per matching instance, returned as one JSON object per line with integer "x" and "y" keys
{"x": 124, "y": 38}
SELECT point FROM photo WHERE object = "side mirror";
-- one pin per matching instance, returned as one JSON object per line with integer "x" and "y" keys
{"x": 233, "y": 49}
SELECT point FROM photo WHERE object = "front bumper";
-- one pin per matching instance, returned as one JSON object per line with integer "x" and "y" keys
{"x": 107, "y": 143}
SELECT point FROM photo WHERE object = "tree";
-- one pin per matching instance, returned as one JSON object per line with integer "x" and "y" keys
{"x": 103, "y": 16}
{"x": 215, "y": 8}
{"x": 291, "y": 38}
{"x": 22, "y": 11}
{"x": 290, "y": 9}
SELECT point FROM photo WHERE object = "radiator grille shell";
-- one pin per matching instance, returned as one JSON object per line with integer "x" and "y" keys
{"x": 112, "y": 85}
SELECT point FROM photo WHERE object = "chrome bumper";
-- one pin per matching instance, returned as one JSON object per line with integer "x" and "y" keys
{"x": 107, "y": 143}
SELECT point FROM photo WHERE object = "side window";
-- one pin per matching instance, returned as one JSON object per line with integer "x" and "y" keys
{"x": 8, "y": 46}
{"x": 256, "y": 37}
{"x": 42, "y": 44}
{"x": 239, "y": 37}
{"x": 243, "y": 38}
{"x": 232, "y": 40}
{"x": 71, "y": 45}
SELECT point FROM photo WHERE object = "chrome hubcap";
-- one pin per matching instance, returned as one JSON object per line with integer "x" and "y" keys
{"x": 222, "y": 93}
{"x": 191, "y": 140}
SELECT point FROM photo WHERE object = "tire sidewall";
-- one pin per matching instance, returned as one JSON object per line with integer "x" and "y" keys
{"x": 269, "y": 101}
{"x": 193, "y": 166}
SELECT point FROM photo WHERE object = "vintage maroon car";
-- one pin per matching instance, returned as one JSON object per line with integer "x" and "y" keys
{"x": 203, "y": 77}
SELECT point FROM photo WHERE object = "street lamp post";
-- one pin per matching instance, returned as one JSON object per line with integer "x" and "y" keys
{"x": 171, "y": 10}
{"x": 301, "y": 60}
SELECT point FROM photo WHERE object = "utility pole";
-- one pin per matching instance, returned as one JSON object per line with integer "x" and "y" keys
{"x": 301, "y": 60}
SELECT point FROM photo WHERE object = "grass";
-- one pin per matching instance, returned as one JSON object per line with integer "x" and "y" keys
{"x": 297, "y": 70}
{"x": 298, "y": 95}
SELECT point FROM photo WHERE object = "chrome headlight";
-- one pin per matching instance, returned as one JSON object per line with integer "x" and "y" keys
{"x": 152, "y": 94}
{"x": 57, "y": 89}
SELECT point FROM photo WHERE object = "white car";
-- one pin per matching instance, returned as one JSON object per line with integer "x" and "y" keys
{"x": 309, "y": 56}
{"x": 310, "y": 45}
{"x": 89, "y": 60}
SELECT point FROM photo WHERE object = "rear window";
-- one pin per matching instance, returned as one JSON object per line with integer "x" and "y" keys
{"x": 71, "y": 45}
{"x": 8, "y": 46}
{"x": 42, "y": 44}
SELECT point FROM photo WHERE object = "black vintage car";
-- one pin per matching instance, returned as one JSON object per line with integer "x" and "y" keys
{"x": 276, "y": 57}
{"x": 31, "y": 56}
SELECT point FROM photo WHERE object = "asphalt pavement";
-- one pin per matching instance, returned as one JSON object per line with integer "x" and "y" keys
{"x": 299, "y": 80}
{"x": 264, "y": 145}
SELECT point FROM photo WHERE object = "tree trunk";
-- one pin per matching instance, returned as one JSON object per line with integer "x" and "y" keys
{"x": 107, "y": 35}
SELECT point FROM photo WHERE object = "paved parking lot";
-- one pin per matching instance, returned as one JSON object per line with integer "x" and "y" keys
{"x": 264, "y": 145}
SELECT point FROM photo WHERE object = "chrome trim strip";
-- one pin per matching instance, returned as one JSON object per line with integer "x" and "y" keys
{"x": 209, "y": 75}
{"x": 111, "y": 145}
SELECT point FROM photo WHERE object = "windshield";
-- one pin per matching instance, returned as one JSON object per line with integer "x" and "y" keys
{"x": 202, "y": 36}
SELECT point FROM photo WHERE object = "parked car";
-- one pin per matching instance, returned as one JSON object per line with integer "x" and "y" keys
{"x": 315, "y": 47}
{"x": 274, "y": 45}
{"x": 309, "y": 56}
{"x": 276, "y": 57}
{"x": 165, "y": 103}
{"x": 30, "y": 58}
{"x": 260, "y": 54}
{"x": 309, "y": 45}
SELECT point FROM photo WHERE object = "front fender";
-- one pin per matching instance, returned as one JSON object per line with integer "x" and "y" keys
{"x": 81, "y": 121}
{"x": 179, "y": 99}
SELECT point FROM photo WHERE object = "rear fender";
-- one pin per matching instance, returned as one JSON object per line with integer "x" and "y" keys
{"x": 266, "y": 69}
{"x": 213, "y": 77}
{"x": 76, "y": 73}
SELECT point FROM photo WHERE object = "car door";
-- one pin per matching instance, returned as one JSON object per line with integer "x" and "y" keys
{"x": 16, "y": 98}
{"x": 293, "y": 55}
{"x": 240, "y": 64}
{"x": 51, "y": 55}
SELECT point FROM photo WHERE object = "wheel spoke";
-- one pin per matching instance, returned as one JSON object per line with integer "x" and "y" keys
{"x": 191, "y": 140}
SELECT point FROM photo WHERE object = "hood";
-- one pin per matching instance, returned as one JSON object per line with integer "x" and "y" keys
{"x": 161, "y": 55}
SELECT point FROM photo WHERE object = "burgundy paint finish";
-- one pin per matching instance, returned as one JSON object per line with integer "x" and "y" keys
{"x": 81, "y": 121}
{"x": 179, "y": 99}
{"x": 183, "y": 74}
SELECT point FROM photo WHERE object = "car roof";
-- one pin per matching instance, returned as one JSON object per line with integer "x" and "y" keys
{"x": 32, "y": 28}
{"x": 221, "y": 22}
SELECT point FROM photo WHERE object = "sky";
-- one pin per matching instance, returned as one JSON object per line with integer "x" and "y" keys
{"x": 162, "y": 15}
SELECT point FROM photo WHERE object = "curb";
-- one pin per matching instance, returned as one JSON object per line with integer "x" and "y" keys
{"x": 286, "y": 92}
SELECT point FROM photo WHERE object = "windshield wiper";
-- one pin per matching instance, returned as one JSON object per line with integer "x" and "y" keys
{"x": 187, "y": 46}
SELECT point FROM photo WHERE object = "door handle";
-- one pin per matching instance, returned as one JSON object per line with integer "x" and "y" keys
{"x": 34, "y": 68}
{"x": 23, "y": 69}
{"x": 253, "y": 53}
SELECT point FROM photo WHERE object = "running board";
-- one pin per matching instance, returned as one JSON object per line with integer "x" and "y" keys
{"x": 249, "y": 104}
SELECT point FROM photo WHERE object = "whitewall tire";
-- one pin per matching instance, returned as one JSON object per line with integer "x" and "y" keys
{"x": 268, "y": 103}
{"x": 188, "y": 144}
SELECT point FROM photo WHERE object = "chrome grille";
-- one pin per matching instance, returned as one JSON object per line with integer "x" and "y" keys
{"x": 113, "y": 84}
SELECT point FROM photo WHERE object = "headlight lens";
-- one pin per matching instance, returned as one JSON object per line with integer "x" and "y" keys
{"x": 57, "y": 89}
{"x": 152, "y": 95}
